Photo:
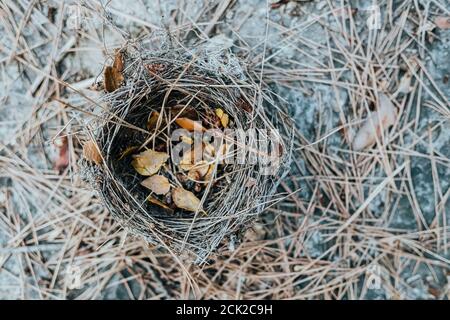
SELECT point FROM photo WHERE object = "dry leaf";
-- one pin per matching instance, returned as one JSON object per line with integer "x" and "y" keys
{"x": 189, "y": 124}
{"x": 152, "y": 120}
{"x": 127, "y": 151}
{"x": 193, "y": 175}
{"x": 63, "y": 157}
{"x": 208, "y": 176}
{"x": 186, "y": 200}
{"x": 112, "y": 79}
{"x": 384, "y": 117}
{"x": 224, "y": 118}
{"x": 92, "y": 153}
{"x": 147, "y": 163}
{"x": 442, "y": 22}
{"x": 198, "y": 171}
{"x": 157, "y": 184}
{"x": 158, "y": 203}
{"x": 118, "y": 61}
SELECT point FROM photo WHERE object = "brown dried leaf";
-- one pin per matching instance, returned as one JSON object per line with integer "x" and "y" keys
{"x": 148, "y": 163}
{"x": 153, "y": 120}
{"x": 63, "y": 157}
{"x": 158, "y": 203}
{"x": 112, "y": 79}
{"x": 92, "y": 153}
{"x": 189, "y": 124}
{"x": 157, "y": 184}
{"x": 186, "y": 200}
{"x": 118, "y": 61}
{"x": 442, "y": 22}
{"x": 193, "y": 175}
{"x": 127, "y": 152}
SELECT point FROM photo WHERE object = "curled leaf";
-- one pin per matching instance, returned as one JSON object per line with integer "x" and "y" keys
{"x": 147, "y": 163}
{"x": 186, "y": 200}
{"x": 189, "y": 124}
{"x": 92, "y": 153}
{"x": 383, "y": 118}
{"x": 157, "y": 184}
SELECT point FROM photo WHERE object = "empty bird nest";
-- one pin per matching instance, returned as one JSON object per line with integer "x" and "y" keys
{"x": 188, "y": 149}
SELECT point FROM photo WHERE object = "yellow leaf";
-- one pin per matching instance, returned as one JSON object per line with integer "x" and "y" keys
{"x": 147, "y": 163}
{"x": 186, "y": 200}
{"x": 219, "y": 112}
{"x": 92, "y": 153}
{"x": 224, "y": 118}
{"x": 189, "y": 124}
{"x": 157, "y": 184}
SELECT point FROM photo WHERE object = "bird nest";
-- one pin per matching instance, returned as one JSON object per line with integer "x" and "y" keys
{"x": 189, "y": 149}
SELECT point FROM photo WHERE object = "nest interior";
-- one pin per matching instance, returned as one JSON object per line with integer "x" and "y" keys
{"x": 172, "y": 82}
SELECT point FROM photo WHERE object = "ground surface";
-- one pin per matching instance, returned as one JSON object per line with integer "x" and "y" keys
{"x": 354, "y": 224}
